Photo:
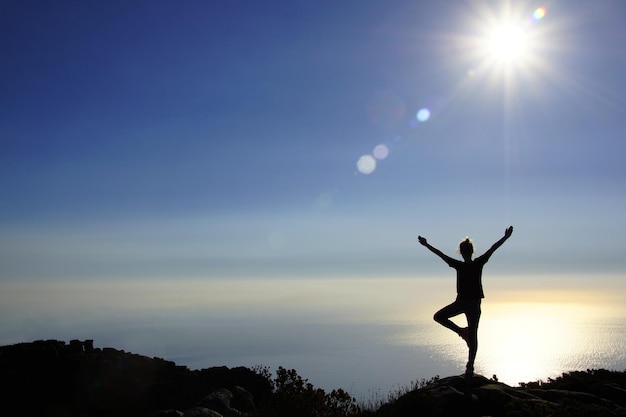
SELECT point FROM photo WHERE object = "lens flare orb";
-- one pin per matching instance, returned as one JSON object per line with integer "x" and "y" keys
{"x": 366, "y": 164}
{"x": 540, "y": 13}
{"x": 423, "y": 115}
{"x": 381, "y": 151}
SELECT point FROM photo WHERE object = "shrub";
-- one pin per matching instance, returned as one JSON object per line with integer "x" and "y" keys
{"x": 296, "y": 396}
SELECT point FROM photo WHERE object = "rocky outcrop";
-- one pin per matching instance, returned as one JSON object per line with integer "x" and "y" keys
{"x": 54, "y": 378}
{"x": 479, "y": 396}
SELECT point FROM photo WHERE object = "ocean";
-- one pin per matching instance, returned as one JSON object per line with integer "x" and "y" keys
{"x": 368, "y": 337}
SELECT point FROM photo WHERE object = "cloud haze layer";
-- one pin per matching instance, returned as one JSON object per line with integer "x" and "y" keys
{"x": 357, "y": 334}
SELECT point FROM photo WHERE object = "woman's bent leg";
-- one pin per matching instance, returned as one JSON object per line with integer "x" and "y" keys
{"x": 443, "y": 316}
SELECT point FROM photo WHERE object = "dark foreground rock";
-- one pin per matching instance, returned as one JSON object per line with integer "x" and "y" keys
{"x": 479, "y": 396}
{"x": 52, "y": 378}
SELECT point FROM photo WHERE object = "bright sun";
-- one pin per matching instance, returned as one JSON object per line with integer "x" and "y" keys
{"x": 506, "y": 44}
{"x": 507, "y": 38}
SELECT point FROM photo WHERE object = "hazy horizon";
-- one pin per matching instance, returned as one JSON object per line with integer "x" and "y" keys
{"x": 369, "y": 336}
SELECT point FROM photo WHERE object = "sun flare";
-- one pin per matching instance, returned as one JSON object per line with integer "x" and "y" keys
{"x": 506, "y": 39}
{"x": 506, "y": 44}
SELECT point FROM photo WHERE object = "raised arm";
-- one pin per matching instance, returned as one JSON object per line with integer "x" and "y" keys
{"x": 434, "y": 250}
{"x": 507, "y": 234}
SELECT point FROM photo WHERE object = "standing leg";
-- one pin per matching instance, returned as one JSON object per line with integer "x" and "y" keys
{"x": 443, "y": 316}
{"x": 472, "y": 312}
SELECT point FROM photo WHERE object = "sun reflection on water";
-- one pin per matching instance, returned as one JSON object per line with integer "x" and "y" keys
{"x": 522, "y": 342}
{"x": 525, "y": 342}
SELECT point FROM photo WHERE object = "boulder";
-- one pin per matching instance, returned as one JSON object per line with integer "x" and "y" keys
{"x": 201, "y": 412}
{"x": 570, "y": 398}
{"x": 235, "y": 403}
{"x": 165, "y": 413}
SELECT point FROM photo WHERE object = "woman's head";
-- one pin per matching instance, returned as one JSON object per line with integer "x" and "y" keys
{"x": 466, "y": 248}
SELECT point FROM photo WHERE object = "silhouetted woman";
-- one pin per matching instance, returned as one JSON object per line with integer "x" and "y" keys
{"x": 469, "y": 291}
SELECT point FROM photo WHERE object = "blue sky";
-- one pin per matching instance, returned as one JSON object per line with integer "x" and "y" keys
{"x": 214, "y": 139}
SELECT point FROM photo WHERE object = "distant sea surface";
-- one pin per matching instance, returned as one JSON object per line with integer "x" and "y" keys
{"x": 333, "y": 334}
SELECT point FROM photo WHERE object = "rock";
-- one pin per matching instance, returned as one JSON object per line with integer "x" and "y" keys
{"x": 243, "y": 400}
{"x": 613, "y": 392}
{"x": 449, "y": 400}
{"x": 572, "y": 397}
{"x": 235, "y": 403}
{"x": 500, "y": 394}
{"x": 201, "y": 412}
{"x": 165, "y": 413}
{"x": 440, "y": 400}
{"x": 558, "y": 396}
{"x": 479, "y": 396}
{"x": 54, "y": 378}
{"x": 220, "y": 401}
